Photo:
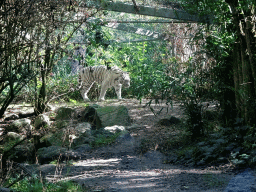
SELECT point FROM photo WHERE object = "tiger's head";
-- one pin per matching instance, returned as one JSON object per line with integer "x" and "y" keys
{"x": 125, "y": 80}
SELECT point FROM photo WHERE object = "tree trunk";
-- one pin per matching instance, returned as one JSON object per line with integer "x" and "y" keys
{"x": 244, "y": 66}
{"x": 41, "y": 101}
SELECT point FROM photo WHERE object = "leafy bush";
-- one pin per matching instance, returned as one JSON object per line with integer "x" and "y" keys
{"x": 231, "y": 144}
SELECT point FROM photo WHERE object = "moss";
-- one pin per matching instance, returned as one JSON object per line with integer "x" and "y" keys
{"x": 64, "y": 113}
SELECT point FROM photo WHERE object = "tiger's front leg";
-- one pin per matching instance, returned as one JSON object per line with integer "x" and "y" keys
{"x": 84, "y": 90}
{"x": 118, "y": 89}
{"x": 103, "y": 91}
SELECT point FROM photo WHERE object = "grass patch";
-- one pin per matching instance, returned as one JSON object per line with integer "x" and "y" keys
{"x": 34, "y": 184}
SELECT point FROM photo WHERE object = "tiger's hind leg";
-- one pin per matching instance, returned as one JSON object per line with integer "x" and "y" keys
{"x": 84, "y": 91}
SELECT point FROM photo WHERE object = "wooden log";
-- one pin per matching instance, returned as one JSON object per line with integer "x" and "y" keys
{"x": 153, "y": 11}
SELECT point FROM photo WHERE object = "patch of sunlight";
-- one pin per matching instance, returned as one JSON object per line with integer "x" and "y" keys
{"x": 99, "y": 162}
{"x": 148, "y": 114}
{"x": 145, "y": 185}
{"x": 84, "y": 175}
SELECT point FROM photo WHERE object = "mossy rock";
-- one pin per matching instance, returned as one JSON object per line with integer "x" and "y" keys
{"x": 20, "y": 125}
{"x": 114, "y": 115}
{"x": 61, "y": 124}
{"x": 65, "y": 113}
{"x": 54, "y": 139}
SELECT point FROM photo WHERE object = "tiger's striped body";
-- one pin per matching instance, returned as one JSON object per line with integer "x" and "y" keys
{"x": 113, "y": 77}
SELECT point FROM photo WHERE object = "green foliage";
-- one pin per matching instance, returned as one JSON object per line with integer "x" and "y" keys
{"x": 233, "y": 144}
{"x": 34, "y": 184}
{"x": 194, "y": 119}
{"x": 147, "y": 71}
{"x": 58, "y": 86}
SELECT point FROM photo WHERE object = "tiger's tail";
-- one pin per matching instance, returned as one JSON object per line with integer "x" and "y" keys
{"x": 80, "y": 83}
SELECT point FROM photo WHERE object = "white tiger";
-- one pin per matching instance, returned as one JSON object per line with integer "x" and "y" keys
{"x": 106, "y": 77}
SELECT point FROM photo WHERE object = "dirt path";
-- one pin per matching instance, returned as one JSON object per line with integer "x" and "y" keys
{"x": 119, "y": 167}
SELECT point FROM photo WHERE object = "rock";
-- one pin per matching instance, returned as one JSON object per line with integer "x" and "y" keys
{"x": 82, "y": 134}
{"x": 106, "y": 116}
{"x": 168, "y": 122}
{"x": 83, "y": 148}
{"x": 115, "y": 128}
{"x": 64, "y": 113}
{"x": 83, "y": 129}
{"x": 41, "y": 121}
{"x": 164, "y": 122}
{"x": 59, "y": 138}
{"x": 24, "y": 152}
{"x": 48, "y": 140}
{"x": 174, "y": 120}
{"x": 20, "y": 126}
{"x": 80, "y": 140}
{"x": 47, "y": 154}
{"x": 61, "y": 124}
{"x": 14, "y": 136}
{"x": 114, "y": 115}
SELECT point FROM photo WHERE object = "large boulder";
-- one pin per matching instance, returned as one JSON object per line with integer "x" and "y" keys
{"x": 20, "y": 126}
{"x": 106, "y": 116}
{"x": 84, "y": 148}
{"x": 14, "y": 136}
{"x": 47, "y": 154}
{"x": 24, "y": 152}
